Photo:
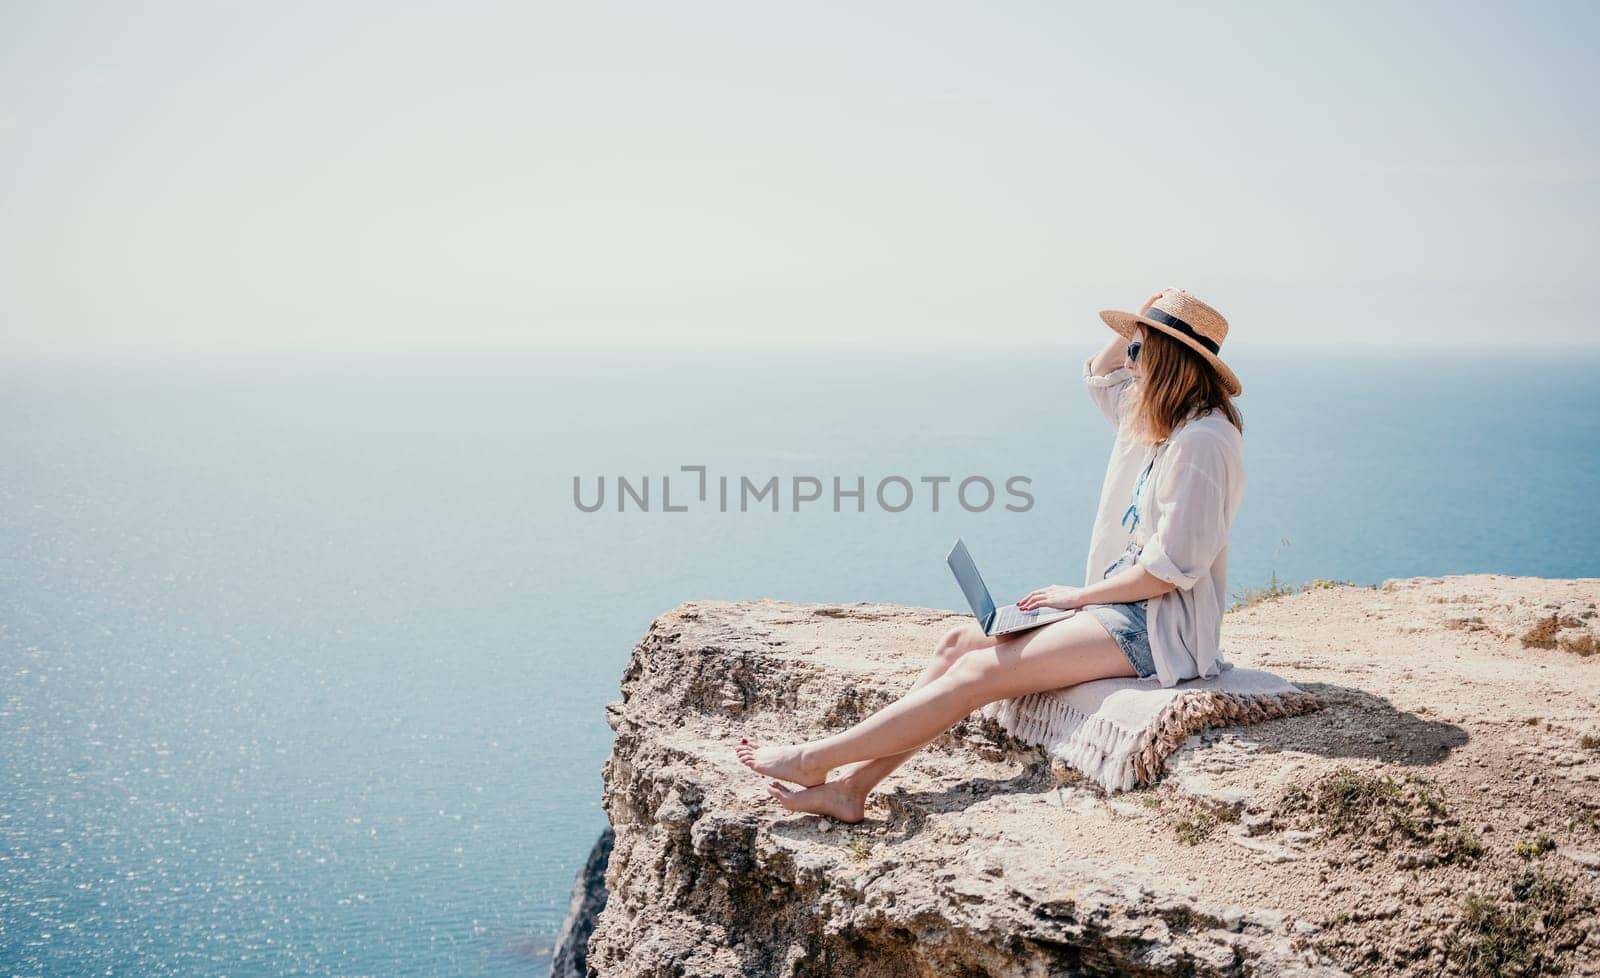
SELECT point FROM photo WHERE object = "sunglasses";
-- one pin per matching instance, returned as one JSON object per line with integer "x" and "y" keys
{"x": 1133, "y": 350}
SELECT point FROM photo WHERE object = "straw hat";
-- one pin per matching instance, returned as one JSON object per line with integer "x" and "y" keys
{"x": 1185, "y": 319}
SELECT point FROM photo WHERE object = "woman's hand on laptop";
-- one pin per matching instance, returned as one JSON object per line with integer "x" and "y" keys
{"x": 1055, "y": 596}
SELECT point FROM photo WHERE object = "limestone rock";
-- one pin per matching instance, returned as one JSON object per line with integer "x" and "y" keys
{"x": 977, "y": 857}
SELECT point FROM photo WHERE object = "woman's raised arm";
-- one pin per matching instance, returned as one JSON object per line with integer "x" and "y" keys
{"x": 1107, "y": 374}
{"x": 1105, "y": 388}
{"x": 1114, "y": 356}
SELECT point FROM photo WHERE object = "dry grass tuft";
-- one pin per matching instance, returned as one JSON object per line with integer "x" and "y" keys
{"x": 1545, "y": 634}
{"x": 1583, "y": 645}
{"x": 1252, "y": 596}
{"x": 1520, "y": 935}
{"x": 1376, "y": 809}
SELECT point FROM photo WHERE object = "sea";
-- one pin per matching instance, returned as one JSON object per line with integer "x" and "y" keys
{"x": 303, "y": 656}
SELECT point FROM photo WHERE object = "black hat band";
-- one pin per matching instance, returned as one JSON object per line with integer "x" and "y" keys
{"x": 1166, "y": 319}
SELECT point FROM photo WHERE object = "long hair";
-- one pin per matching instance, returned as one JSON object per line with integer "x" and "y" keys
{"x": 1177, "y": 384}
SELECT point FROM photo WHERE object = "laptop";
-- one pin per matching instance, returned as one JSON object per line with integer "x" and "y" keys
{"x": 995, "y": 621}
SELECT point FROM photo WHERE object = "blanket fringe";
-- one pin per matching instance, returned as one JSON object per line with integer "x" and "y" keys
{"x": 1118, "y": 759}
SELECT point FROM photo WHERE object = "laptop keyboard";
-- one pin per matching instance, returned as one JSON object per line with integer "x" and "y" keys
{"x": 1010, "y": 616}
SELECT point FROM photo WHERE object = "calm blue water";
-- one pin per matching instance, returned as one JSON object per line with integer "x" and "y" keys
{"x": 302, "y": 659}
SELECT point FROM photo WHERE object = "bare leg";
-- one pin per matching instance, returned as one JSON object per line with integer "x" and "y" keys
{"x": 955, "y": 643}
{"x": 1063, "y": 653}
{"x": 845, "y": 796}
{"x": 953, "y": 646}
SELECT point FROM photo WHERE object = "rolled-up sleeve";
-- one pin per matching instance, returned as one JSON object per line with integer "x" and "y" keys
{"x": 1192, "y": 498}
{"x": 1106, "y": 389}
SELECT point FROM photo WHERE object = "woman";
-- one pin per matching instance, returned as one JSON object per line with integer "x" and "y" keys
{"x": 1157, "y": 564}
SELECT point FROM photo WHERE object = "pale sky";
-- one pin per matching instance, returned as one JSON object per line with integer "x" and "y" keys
{"x": 222, "y": 176}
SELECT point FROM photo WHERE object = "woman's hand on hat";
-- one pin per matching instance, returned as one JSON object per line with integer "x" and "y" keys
{"x": 1152, "y": 300}
{"x": 1055, "y": 596}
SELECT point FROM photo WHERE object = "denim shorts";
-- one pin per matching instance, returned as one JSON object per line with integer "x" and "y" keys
{"x": 1125, "y": 621}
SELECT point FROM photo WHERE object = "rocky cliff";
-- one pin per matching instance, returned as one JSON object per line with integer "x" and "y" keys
{"x": 1441, "y": 814}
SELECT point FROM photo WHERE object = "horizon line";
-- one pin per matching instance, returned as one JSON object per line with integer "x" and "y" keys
{"x": 857, "y": 345}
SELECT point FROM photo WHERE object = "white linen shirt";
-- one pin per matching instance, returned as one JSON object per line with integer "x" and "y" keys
{"x": 1186, "y": 509}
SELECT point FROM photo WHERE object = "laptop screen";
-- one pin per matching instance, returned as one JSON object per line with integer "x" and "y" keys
{"x": 971, "y": 584}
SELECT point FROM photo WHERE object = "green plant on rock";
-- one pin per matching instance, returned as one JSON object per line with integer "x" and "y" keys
{"x": 859, "y": 845}
{"x": 1275, "y": 588}
{"x": 1532, "y": 848}
{"x": 1461, "y": 847}
{"x": 1196, "y": 826}
{"x": 1428, "y": 794}
{"x": 1253, "y": 596}
{"x": 1517, "y": 937}
{"x": 1375, "y": 808}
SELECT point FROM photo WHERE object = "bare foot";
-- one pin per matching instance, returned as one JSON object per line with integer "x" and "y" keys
{"x": 784, "y": 763}
{"x": 835, "y": 799}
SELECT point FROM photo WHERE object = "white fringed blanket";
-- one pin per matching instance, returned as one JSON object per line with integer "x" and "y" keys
{"x": 1118, "y": 732}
